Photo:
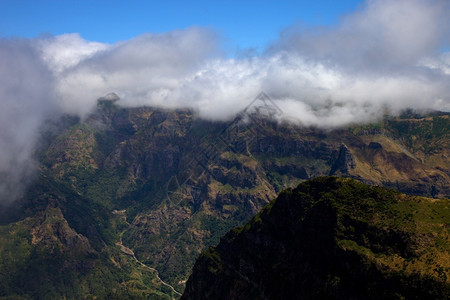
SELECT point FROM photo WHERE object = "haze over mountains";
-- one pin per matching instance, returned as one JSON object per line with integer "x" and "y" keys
{"x": 386, "y": 56}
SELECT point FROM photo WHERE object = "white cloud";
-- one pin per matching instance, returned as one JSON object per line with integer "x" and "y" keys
{"x": 382, "y": 36}
{"x": 373, "y": 58}
{"x": 26, "y": 100}
{"x": 67, "y": 50}
{"x": 142, "y": 71}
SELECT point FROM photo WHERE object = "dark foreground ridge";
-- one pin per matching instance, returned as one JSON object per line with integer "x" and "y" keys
{"x": 332, "y": 238}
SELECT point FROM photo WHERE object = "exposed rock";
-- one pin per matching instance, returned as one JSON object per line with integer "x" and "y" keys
{"x": 109, "y": 97}
{"x": 53, "y": 233}
{"x": 342, "y": 161}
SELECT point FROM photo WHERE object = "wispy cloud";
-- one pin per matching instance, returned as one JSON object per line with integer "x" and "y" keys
{"x": 26, "y": 100}
{"x": 382, "y": 36}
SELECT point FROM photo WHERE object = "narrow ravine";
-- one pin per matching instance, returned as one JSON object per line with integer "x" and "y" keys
{"x": 130, "y": 252}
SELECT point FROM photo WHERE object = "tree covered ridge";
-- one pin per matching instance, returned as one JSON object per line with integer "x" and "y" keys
{"x": 335, "y": 238}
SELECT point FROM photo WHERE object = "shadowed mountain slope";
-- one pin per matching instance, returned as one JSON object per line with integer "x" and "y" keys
{"x": 332, "y": 238}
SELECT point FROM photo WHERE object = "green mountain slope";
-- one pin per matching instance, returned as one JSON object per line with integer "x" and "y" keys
{"x": 66, "y": 250}
{"x": 332, "y": 238}
{"x": 165, "y": 185}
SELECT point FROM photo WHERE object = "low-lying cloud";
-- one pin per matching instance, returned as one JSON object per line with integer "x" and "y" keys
{"x": 26, "y": 100}
{"x": 386, "y": 56}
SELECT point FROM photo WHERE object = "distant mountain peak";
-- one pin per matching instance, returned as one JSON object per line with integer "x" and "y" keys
{"x": 113, "y": 97}
{"x": 263, "y": 105}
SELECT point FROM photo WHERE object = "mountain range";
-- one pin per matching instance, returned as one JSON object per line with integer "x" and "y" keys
{"x": 126, "y": 200}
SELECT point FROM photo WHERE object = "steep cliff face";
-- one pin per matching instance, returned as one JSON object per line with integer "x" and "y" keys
{"x": 343, "y": 161}
{"x": 332, "y": 238}
{"x": 409, "y": 153}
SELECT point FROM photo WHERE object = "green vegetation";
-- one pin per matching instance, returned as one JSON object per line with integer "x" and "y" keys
{"x": 419, "y": 133}
{"x": 332, "y": 237}
{"x": 35, "y": 265}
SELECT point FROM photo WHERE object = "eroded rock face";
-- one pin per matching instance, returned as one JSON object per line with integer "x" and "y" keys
{"x": 330, "y": 238}
{"x": 342, "y": 161}
{"x": 53, "y": 233}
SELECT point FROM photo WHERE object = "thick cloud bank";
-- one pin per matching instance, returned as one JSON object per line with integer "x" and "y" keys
{"x": 387, "y": 56}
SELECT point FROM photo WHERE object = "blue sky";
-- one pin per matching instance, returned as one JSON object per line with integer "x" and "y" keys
{"x": 240, "y": 24}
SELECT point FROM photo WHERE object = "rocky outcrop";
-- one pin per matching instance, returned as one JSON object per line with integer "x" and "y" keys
{"x": 53, "y": 233}
{"x": 342, "y": 161}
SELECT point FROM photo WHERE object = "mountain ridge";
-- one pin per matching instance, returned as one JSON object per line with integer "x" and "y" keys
{"x": 331, "y": 238}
